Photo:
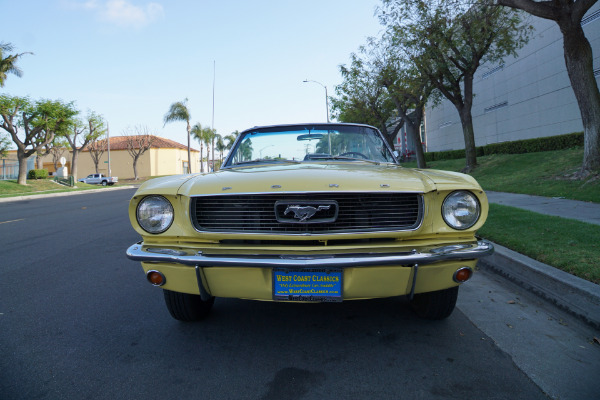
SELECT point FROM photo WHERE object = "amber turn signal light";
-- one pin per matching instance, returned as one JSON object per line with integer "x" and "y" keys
{"x": 462, "y": 274}
{"x": 156, "y": 278}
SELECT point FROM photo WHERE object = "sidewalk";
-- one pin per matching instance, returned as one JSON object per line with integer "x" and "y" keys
{"x": 572, "y": 209}
{"x": 575, "y": 295}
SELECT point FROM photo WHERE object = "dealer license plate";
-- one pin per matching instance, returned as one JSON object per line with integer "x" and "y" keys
{"x": 314, "y": 284}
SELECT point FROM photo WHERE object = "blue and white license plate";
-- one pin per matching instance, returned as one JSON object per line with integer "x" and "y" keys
{"x": 313, "y": 284}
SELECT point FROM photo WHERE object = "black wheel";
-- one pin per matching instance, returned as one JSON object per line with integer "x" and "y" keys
{"x": 187, "y": 307}
{"x": 435, "y": 305}
{"x": 354, "y": 153}
{"x": 104, "y": 183}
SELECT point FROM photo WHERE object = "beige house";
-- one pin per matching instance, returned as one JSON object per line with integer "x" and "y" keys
{"x": 165, "y": 157}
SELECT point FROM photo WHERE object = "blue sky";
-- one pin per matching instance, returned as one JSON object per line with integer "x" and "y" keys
{"x": 130, "y": 59}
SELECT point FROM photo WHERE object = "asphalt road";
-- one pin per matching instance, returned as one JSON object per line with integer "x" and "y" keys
{"x": 79, "y": 321}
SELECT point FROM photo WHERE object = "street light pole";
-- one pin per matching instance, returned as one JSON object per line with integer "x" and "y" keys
{"x": 326, "y": 96}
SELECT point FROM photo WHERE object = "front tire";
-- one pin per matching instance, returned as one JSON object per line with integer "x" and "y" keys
{"x": 435, "y": 305}
{"x": 187, "y": 307}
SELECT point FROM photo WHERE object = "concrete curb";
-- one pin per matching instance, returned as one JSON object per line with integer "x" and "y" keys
{"x": 60, "y": 194}
{"x": 570, "y": 293}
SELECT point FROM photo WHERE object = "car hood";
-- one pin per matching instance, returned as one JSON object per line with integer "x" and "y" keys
{"x": 317, "y": 177}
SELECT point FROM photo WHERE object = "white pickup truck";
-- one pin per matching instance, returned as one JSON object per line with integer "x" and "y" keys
{"x": 99, "y": 179}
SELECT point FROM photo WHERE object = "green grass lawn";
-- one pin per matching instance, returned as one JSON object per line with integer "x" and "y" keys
{"x": 542, "y": 174}
{"x": 11, "y": 188}
{"x": 569, "y": 245}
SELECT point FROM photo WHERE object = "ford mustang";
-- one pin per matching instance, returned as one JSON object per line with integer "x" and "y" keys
{"x": 309, "y": 213}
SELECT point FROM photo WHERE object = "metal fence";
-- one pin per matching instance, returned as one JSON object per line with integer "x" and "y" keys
{"x": 9, "y": 168}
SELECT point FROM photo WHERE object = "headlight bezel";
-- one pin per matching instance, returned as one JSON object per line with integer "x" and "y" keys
{"x": 448, "y": 219}
{"x": 168, "y": 207}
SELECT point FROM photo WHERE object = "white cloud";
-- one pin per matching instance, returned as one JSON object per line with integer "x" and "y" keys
{"x": 122, "y": 12}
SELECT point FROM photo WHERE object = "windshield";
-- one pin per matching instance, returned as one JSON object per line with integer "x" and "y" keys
{"x": 310, "y": 143}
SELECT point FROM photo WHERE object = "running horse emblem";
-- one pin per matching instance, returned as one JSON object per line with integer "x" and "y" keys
{"x": 303, "y": 213}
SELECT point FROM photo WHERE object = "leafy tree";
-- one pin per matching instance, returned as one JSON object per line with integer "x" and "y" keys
{"x": 180, "y": 112}
{"x": 448, "y": 41}
{"x": 40, "y": 120}
{"x": 8, "y": 62}
{"x": 407, "y": 86}
{"x": 82, "y": 133}
{"x": 580, "y": 68}
{"x": 59, "y": 146}
{"x": 362, "y": 99}
{"x": 4, "y": 145}
{"x": 97, "y": 149}
{"x": 138, "y": 140}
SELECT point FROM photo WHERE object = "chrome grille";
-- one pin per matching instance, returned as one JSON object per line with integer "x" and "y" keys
{"x": 358, "y": 212}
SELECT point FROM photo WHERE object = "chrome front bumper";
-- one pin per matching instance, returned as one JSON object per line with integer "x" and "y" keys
{"x": 482, "y": 248}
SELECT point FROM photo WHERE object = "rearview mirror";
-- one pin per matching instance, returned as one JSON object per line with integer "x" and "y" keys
{"x": 315, "y": 136}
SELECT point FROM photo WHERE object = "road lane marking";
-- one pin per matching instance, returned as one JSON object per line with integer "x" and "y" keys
{"x": 14, "y": 220}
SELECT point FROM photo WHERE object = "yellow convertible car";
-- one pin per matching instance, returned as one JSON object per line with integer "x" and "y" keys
{"x": 309, "y": 213}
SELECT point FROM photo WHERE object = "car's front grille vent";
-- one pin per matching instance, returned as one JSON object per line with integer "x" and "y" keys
{"x": 333, "y": 212}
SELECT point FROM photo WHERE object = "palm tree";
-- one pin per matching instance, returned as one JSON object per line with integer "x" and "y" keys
{"x": 8, "y": 64}
{"x": 197, "y": 134}
{"x": 209, "y": 139}
{"x": 220, "y": 147}
{"x": 180, "y": 112}
{"x": 231, "y": 139}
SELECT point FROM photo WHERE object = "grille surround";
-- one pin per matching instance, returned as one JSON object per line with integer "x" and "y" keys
{"x": 358, "y": 213}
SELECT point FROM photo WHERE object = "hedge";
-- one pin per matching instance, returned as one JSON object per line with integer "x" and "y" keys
{"x": 549, "y": 143}
{"x": 37, "y": 174}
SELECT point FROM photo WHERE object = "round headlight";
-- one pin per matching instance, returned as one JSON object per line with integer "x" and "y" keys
{"x": 155, "y": 214}
{"x": 461, "y": 209}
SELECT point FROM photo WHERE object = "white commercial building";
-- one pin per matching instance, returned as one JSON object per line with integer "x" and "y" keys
{"x": 525, "y": 97}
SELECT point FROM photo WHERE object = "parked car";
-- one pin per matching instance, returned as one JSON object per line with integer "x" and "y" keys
{"x": 99, "y": 179}
{"x": 309, "y": 213}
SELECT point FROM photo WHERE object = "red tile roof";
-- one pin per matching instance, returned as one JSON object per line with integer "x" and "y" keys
{"x": 120, "y": 143}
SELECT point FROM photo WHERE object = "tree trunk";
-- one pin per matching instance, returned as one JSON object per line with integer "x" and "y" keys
{"x": 579, "y": 62}
{"x": 135, "y": 174}
{"x": 39, "y": 162}
{"x": 189, "y": 129}
{"x": 469, "y": 136}
{"x": 213, "y": 154}
{"x": 201, "y": 158}
{"x": 22, "y": 178}
{"x": 74, "y": 164}
{"x": 415, "y": 127}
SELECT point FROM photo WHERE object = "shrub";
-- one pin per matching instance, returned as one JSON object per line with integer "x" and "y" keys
{"x": 549, "y": 143}
{"x": 37, "y": 174}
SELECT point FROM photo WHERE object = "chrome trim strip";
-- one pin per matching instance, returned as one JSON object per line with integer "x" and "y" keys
{"x": 332, "y": 192}
{"x": 482, "y": 248}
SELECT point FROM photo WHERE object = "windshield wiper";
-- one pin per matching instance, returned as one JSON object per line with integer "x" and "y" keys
{"x": 343, "y": 158}
{"x": 266, "y": 160}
